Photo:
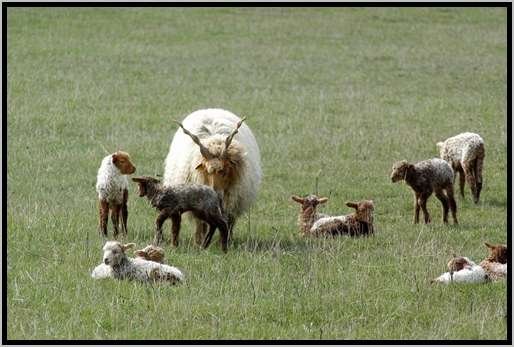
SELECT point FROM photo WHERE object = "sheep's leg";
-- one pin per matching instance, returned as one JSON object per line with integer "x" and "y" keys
{"x": 124, "y": 212}
{"x": 462, "y": 180}
{"x": 158, "y": 227}
{"x": 208, "y": 237}
{"x": 103, "y": 208}
{"x": 201, "y": 230}
{"x": 230, "y": 227}
{"x": 452, "y": 203}
{"x": 470, "y": 178}
{"x": 444, "y": 200}
{"x": 423, "y": 203}
{"x": 224, "y": 232}
{"x": 115, "y": 214}
{"x": 175, "y": 229}
{"x": 479, "y": 165}
{"x": 416, "y": 208}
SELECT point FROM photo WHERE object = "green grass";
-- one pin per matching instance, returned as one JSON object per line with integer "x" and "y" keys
{"x": 333, "y": 95}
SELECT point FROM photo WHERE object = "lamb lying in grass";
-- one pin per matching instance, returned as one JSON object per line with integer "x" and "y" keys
{"x": 119, "y": 266}
{"x": 462, "y": 270}
{"x": 357, "y": 223}
{"x": 496, "y": 263}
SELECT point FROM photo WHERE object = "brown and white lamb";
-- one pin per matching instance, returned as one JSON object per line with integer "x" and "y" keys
{"x": 427, "y": 177}
{"x": 357, "y": 223}
{"x": 495, "y": 265}
{"x": 465, "y": 153}
{"x": 308, "y": 214}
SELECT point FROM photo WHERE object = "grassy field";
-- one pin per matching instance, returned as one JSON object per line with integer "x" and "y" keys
{"x": 334, "y": 97}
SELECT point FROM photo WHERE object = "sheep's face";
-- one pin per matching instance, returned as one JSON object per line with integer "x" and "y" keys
{"x": 122, "y": 161}
{"x": 363, "y": 210}
{"x": 399, "y": 171}
{"x": 498, "y": 253}
{"x": 142, "y": 184}
{"x": 151, "y": 252}
{"x": 310, "y": 201}
{"x": 114, "y": 252}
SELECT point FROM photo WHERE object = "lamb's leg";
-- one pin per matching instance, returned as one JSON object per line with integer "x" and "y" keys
{"x": 479, "y": 165}
{"x": 230, "y": 227}
{"x": 201, "y": 230}
{"x": 470, "y": 178}
{"x": 176, "y": 219}
{"x": 124, "y": 213}
{"x": 462, "y": 180}
{"x": 158, "y": 227}
{"x": 416, "y": 208}
{"x": 115, "y": 218}
{"x": 224, "y": 233}
{"x": 208, "y": 237}
{"x": 103, "y": 208}
{"x": 423, "y": 203}
{"x": 444, "y": 200}
{"x": 452, "y": 203}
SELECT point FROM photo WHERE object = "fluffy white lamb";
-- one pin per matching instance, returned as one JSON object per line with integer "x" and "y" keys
{"x": 117, "y": 265}
{"x": 214, "y": 147}
{"x": 465, "y": 153}
{"x": 466, "y": 272}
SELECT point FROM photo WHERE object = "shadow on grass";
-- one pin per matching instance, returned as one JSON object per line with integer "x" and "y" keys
{"x": 253, "y": 244}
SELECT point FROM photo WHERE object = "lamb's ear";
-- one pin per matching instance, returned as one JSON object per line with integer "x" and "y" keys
{"x": 322, "y": 200}
{"x": 199, "y": 166}
{"x": 352, "y": 204}
{"x": 127, "y": 246}
{"x": 114, "y": 158}
{"x": 138, "y": 179}
{"x": 488, "y": 245}
{"x": 297, "y": 199}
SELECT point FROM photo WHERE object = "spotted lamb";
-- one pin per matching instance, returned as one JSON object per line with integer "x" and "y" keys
{"x": 426, "y": 177}
{"x": 465, "y": 153}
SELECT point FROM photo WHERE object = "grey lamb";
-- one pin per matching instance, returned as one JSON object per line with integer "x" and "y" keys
{"x": 201, "y": 200}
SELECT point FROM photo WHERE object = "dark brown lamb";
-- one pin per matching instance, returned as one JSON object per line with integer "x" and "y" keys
{"x": 202, "y": 201}
{"x": 427, "y": 177}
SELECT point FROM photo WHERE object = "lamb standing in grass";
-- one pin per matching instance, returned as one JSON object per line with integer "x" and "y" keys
{"x": 202, "y": 201}
{"x": 123, "y": 267}
{"x": 356, "y": 224}
{"x": 112, "y": 189}
{"x": 308, "y": 214}
{"x": 426, "y": 177}
{"x": 465, "y": 153}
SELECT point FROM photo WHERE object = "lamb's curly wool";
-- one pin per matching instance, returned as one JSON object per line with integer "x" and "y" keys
{"x": 123, "y": 267}
{"x": 356, "y": 224}
{"x": 151, "y": 252}
{"x": 426, "y": 177}
{"x": 466, "y": 272}
{"x": 465, "y": 153}
{"x": 236, "y": 172}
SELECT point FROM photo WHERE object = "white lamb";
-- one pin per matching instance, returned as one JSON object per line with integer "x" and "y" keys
{"x": 214, "y": 147}
{"x": 465, "y": 153}
{"x": 463, "y": 270}
{"x": 117, "y": 265}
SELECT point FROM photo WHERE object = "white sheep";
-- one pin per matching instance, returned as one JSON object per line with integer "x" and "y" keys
{"x": 117, "y": 265}
{"x": 465, "y": 153}
{"x": 213, "y": 147}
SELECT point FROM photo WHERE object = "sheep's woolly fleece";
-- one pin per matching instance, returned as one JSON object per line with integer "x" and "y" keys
{"x": 464, "y": 147}
{"x": 184, "y": 156}
{"x": 435, "y": 171}
{"x": 110, "y": 182}
{"x": 122, "y": 267}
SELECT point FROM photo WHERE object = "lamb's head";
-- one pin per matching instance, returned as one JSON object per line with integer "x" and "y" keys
{"x": 309, "y": 202}
{"x": 363, "y": 210}
{"x": 114, "y": 252}
{"x": 122, "y": 161}
{"x": 400, "y": 170}
{"x": 222, "y": 158}
{"x": 151, "y": 252}
{"x": 497, "y": 253}
{"x": 143, "y": 182}
{"x": 459, "y": 263}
